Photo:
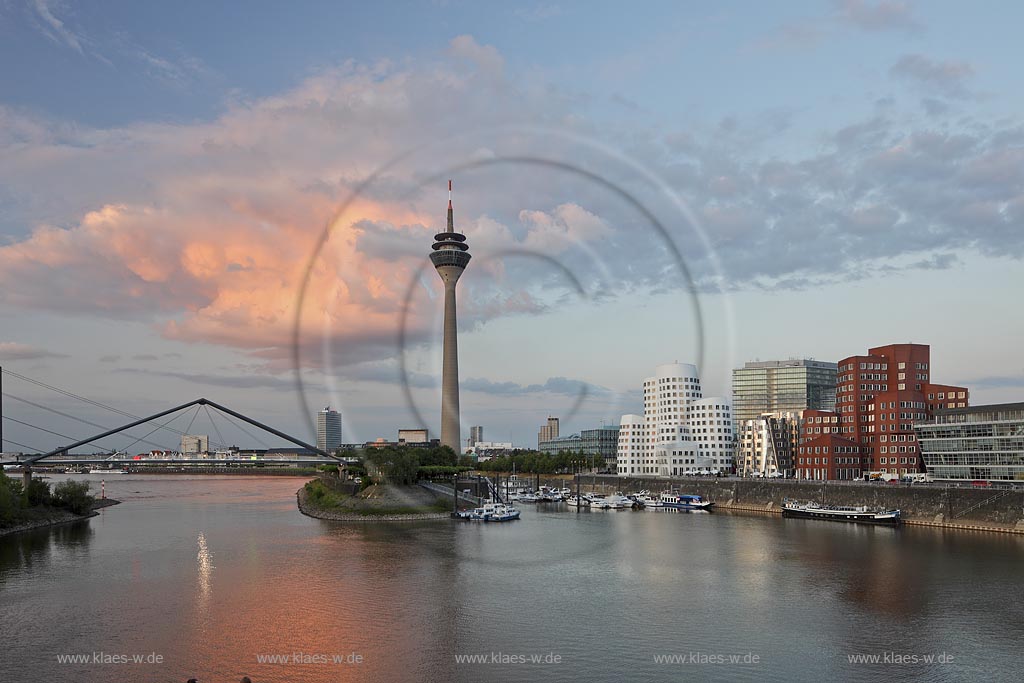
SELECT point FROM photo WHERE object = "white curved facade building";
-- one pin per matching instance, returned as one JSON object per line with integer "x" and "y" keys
{"x": 680, "y": 431}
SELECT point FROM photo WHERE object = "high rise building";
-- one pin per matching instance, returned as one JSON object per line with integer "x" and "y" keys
{"x": 475, "y": 434}
{"x": 680, "y": 431}
{"x": 450, "y": 257}
{"x": 777, "y": 386}
{"x": 882, "y": 395}
{"x": 548, "y": 431}
{"x": 194, "y": 444}
{"x": 328, "y": 429}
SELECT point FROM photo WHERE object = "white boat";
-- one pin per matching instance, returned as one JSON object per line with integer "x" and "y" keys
{"x": 96, "y": 470}
{"x": 683, "y": 501}
{"x": 617, "y": 501}
{"x": 491, "y": 512}
{"x": 527, "y": 498}
{"x": 574, "y": 502}
{"x": 598, "y": 501}
{"x": 645, "y": 500}
{"x": 549, "y": 495}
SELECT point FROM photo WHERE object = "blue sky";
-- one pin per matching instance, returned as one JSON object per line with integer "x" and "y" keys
{"x": 834, "y": 175}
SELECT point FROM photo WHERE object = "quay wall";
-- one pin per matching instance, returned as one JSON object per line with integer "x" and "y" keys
{"x": 925, "y": 504}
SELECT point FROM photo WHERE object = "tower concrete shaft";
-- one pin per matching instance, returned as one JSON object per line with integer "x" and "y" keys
{"x": 450, "y": 416}
{"x": 450, "y": 257}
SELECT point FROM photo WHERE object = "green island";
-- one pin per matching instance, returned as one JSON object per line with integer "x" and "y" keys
{"x": 22, "y": 509}
{"x": 383, "y": 486}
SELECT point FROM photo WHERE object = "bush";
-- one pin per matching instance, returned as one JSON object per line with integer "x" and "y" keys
{"x": 38, "y": 493}
{"x": 10, "y": 499}
{"x": 73, "y": 496}
{"x": 330, "y": 469}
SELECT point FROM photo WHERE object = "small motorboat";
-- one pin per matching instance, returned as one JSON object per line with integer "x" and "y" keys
{"x": 491, "y": 512}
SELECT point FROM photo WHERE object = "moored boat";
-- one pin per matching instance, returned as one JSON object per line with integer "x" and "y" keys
{"x": 684, "y": 501}
{"x": 840, "y": 513}
{"x": 573, "y": 501}
{"x": 645, "y": 500}
{"x": 491, "y": 512}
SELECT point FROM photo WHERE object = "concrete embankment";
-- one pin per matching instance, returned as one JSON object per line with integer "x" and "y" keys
{"x": 42, "y": 518}
{"x": 982, "y": 509}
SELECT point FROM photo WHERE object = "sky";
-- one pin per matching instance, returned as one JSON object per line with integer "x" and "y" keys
{"x": 237, "y": 200}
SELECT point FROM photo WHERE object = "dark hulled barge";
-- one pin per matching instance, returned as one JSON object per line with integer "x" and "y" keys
{"x": 841, "y": 513}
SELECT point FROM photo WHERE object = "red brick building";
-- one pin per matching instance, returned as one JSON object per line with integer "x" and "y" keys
{"x": 880, "y": 396}
{"x": 823, "y": 452}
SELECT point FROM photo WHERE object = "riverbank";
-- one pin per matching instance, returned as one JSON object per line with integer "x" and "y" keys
{"x": 377, "y": 504}
{"x": 41, "y": 518}
{"x": 964, "y": 509}
{"x": 268, "y": 471}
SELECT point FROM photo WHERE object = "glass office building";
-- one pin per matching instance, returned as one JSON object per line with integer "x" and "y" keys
{"x": 979, "y": 442}
{"x": 777, "y": 386}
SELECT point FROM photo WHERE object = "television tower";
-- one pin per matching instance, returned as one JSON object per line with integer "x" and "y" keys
{"x": 450, "y": 257}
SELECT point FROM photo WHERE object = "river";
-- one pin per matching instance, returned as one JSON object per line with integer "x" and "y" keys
{"x": 216, "y": 577}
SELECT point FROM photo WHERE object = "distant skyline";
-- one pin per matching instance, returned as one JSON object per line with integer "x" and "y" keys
{"x": 166, "y": 173}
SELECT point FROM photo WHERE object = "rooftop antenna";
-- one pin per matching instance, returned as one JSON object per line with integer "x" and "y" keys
{"x": 451, "y": 218}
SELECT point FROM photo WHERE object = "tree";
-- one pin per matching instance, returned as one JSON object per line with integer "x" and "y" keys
{"x": 396, "y": 465}
{"x": 73, "y": 496}
{"x": 10, "y": 499}
{"x": 38, "y": 493}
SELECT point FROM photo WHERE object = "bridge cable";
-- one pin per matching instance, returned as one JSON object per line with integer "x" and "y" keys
{"x": 159, "y": 426}
{"x": 31, "y": 448}
{"x": 49, "y": 431}
{"x": 69, "y": 416}
{"x": 86, "y": 400}
{"x": 188, "y": 430}
{"x": 238, "y": 424}
{"x": 215, "y": 427}
{"x": 69, "y": 394}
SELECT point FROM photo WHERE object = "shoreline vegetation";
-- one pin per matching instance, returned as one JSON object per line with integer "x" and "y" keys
{"x": 38, "y": 507}
{"x": 376, "y": 503}
{"x": 382, "y": 487}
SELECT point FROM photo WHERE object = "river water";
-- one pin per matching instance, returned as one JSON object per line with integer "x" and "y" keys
{"x": 217, "y": 577}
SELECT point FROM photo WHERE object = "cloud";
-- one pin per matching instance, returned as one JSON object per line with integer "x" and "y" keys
{"x": 886, "y": 15}
{"x": 263, "y": 381}
{"x": 539, "y": 12}
{"x": 945, "y": 78}
{"x": 996, "y": 382}
{"x": 205, "y": 230}
{"x": 485, "y": 57}
{"x": 553, "y": 385}
{"x": 54, "y": 28}
{"x": 14, "y": 351}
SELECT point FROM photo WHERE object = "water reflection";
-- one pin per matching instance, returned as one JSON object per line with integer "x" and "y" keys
{"x": 204, "y": 562}
{"x": 215, "y": 573}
